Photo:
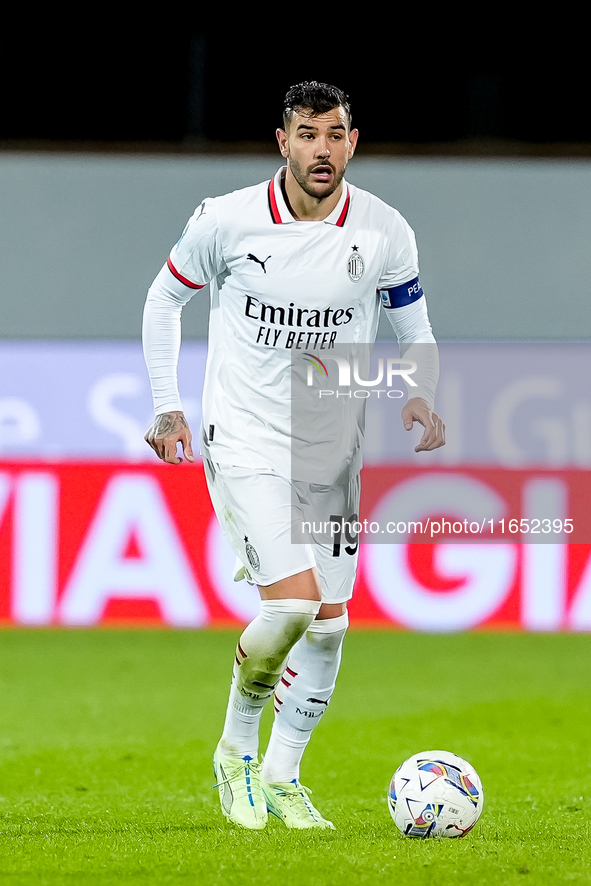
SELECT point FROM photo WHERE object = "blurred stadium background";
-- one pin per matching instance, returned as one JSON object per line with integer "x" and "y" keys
{"x": 108, "y": 142}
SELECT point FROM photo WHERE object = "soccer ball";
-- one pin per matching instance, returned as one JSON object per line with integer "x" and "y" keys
{"x": 435, "y": 794}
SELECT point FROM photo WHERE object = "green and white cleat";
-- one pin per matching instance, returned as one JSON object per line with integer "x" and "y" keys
{"x": 290, "y": 802}
{"x": 239, "y": 785}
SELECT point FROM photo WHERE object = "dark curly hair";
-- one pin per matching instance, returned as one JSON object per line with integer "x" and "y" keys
{"x": 320, "y": 98}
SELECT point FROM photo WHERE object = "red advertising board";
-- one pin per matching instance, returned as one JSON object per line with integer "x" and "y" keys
{"x": 88, "y": 543}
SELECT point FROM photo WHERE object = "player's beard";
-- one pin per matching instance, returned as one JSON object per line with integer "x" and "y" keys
{"x": 310, "y": 189}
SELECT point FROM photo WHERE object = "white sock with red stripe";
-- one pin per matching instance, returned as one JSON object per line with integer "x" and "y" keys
{"x": 302, "y": 696}
{"x": 261, "y": 655}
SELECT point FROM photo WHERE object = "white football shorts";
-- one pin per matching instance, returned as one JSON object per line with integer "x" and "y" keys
{"x": 261, "y": 513}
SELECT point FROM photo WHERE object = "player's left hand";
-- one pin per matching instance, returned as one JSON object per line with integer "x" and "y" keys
{"x": 417, "y": 410}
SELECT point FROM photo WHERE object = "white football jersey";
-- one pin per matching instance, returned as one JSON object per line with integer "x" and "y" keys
{"x": 279, "y": 285}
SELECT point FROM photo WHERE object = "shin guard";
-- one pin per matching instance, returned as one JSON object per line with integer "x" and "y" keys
{"x": 261, "y": 654}
{"x": 303, "y": 695}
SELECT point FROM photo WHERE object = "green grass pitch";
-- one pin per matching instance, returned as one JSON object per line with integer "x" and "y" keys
{"x": 105, "y": 752}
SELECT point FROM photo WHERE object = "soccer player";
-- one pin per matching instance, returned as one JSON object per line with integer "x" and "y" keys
{"x": 297, "y": 264}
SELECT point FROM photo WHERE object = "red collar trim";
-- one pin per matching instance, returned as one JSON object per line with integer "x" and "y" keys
{"x": 341, "y": 219}
{"x": 276, "y": 201}
{"x": 274, "y": 209}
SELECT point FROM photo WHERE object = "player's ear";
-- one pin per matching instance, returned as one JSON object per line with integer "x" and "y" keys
{"x": 353, "y": 136}
{"x": 282, "y": 141}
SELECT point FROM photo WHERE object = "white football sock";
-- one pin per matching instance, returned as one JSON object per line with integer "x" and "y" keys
{"x": 261, "y": 655}
{"x": 303, "y": 695}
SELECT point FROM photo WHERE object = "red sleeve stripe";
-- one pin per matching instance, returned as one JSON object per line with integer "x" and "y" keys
{"x": 275, "y": 214}
{"x": 345, "y": 212}
{"x": 180, "y": 277}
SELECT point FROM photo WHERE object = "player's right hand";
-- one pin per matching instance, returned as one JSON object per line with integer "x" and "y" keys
{"x": 165, "y": 432}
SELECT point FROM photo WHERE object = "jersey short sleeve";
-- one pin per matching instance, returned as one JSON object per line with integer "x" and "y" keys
{"x": 399, "y": 283}
{"x": 197, "y": 257}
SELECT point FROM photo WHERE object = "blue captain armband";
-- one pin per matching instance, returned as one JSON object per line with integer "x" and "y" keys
{"x": 405, "y": 294}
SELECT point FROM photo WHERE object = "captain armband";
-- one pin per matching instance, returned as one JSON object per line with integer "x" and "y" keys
{"x": 404, "y": 294}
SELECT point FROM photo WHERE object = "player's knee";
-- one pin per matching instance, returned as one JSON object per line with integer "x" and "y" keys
{"x": 287, "y": 621}
{"x": 264, "y": 646}
{"x": 327, "y": 635}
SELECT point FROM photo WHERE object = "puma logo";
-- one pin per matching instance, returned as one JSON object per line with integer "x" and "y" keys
{"x": 252, "y": 257}
{"x": 318, "y": 701}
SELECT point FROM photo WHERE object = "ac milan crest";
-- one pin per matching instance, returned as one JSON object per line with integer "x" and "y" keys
{"x": 253, "y": 557}
{"x": 356, "y": 265}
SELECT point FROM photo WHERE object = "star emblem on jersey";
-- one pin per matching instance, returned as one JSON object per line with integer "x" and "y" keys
{"x": 252, "y": 257}
{"x": 253, "y": 557}
{"x": 356, "y": 265}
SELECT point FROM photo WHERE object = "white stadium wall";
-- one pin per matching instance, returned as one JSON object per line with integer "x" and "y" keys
{"x": 504, "y": 245}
